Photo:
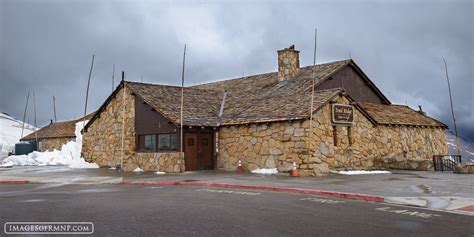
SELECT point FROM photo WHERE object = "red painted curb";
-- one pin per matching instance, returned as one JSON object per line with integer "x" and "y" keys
{"x": 14, "y": 181}
{"x": 265, "y": 188}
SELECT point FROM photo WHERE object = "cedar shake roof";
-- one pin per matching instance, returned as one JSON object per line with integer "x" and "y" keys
{"x": 201, "y": 107}
{"x": 398, "y": 115}
{"x": 65, "y": 129}
{"x": 261, "y": 98}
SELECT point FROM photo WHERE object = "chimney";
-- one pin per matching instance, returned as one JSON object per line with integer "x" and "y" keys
{"x": 288, "y": 63}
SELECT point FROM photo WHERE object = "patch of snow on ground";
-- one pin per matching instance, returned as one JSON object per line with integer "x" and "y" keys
{"x": 10, "y": 133}
{"x": 358, "y": 172}
{"x": 160, "y": 172}
{"x": 138, "y": 170}
{"x": 70, "y": 155}
{"x": 265, "y": 171}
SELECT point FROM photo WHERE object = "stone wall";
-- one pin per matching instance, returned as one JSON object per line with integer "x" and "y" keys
{"x": 51, "y": 144}
{"x": 102, "y": 142}
{"x": 169, "y": 162}
{"x": 278, "y": 145}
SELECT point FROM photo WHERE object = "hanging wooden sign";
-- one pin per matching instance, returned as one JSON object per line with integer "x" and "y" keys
{"x": 342, "y": 113}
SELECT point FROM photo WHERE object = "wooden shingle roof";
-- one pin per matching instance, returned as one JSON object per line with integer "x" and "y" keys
{"x": 398, "y": 115}
{"x": 65, "y": 129}
{"x": 260, "y": 98}
{"x": 201, "y": 107}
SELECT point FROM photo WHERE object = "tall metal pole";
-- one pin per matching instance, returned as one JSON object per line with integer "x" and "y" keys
{"x": 87, "y": 92}
{"x": 24, "y": 113}
{"x": 54, "y": 107}
{"x": 182, "y": 106}
{"x": 452, "y": 109}
{"x": 36, "y": 125}
{"x": 312, "y": 95}
{"x": 123, "y": 120}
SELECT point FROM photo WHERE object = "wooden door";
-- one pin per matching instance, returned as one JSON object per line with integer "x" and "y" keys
{"x": 190, "y": 151}
{"x": 205, "y": 151}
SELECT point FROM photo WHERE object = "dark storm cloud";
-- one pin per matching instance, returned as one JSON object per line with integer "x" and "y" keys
{"x": 46, "y": 46}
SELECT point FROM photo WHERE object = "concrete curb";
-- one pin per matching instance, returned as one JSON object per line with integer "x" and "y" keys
{"x": 265, "y": 188}
{"x": 14, "y": 182}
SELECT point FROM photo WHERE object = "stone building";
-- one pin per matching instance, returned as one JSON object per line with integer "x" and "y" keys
{"x": 266, "y": 121}
{"x": 54, "y": 135}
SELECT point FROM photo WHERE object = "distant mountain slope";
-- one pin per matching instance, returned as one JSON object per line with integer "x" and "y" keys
{"x": 466, "y": 148}
{"x": 10, "y": 133}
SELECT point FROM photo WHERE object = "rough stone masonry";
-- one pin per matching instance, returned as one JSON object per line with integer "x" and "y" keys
{"x": 279, "y": 144}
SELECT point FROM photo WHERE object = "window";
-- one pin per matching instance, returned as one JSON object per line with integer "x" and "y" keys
{"x": 167, "y": 142}
{"x": 150, "y": 143}
{"x": 157, "y": 142}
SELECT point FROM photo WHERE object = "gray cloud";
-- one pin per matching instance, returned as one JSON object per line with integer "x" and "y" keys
{"x": 46, "y": 46}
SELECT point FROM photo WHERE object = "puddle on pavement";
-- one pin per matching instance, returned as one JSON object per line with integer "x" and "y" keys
{"x": 32, "y": 200}
{"x": 96, "y": 190}
{"x": 391, "y": 179}
{"x": 421, "y": 188}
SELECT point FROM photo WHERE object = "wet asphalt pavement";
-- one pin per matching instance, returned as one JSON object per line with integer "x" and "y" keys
{"x": 144, "y": 210}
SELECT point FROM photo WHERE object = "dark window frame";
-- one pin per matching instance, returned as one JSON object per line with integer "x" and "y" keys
{"x": 141, "y": 143}
{"x": 171, "y": 148}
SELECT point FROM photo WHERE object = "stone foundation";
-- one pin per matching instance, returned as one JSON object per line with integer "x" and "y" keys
{"x": 279, "y": 144}
{"x": 166, "y": 162}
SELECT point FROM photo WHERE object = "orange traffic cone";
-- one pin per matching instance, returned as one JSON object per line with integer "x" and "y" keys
{"x": 240, "y": 169}
{"x": 294, "y": 171}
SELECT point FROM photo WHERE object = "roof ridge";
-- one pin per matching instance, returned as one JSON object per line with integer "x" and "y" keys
{"x": 267, "y": 73}
{"x": 172, "y": 86}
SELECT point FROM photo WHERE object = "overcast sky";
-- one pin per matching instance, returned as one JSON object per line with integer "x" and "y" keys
{"x": 46, "y": 47}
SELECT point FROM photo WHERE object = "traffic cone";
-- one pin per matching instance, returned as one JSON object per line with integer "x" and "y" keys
{"x": 240, "y": 169}
{"x": 294, "y": 171}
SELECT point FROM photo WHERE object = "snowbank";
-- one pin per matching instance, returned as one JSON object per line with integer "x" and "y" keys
{"x": 70, "y": 155}
{"x": 137, "y": 170}
{"x": 358, "y": 172}
{"x": 265, "y": 171}
{"x": 10, "y": 133}
{"x": 160, "y": 172}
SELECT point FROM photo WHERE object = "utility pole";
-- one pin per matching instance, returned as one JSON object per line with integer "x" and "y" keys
{"x": 452, "y": 109}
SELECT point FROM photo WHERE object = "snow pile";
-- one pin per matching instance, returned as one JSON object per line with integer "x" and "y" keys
{"x": 160, "y": 172}
{"x": 137, "y": 170}
{"x": 10, "y": 133}
{"x": 70, "y": 155}
{"x": 358, "y": 172}
{"x": 265, "y": 171}
{"x": 465, "y": 147}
